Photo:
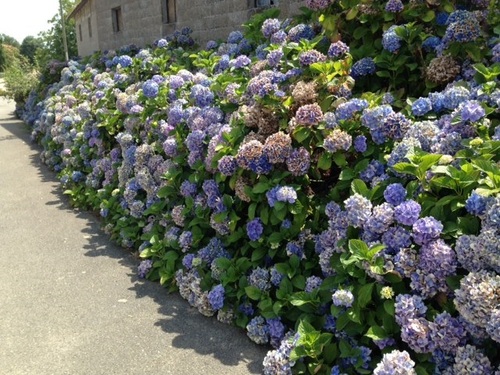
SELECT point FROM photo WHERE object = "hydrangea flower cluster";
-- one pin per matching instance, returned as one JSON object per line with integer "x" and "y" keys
{"x": 266, "y": 188}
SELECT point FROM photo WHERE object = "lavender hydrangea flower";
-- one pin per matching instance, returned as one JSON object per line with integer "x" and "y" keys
{"x": 309, "y": 114}
{"x": 395, "y": 363}
{"x": 313, "y": 283}
{"x": 144, "y": 267}
{"x": 270, "y": 26}
{"x": 260, "y": 278}
{"x": 343, "y": 297}
{"x": 318, "y": 4}
{"x": 286, "y": 194}
{"x": 470, "y": 360}
{"x": 409, "y": 307}
{"x": 358, "y": 210}
{"x": 471, "y": 110}
{"x": 258, "y": 331}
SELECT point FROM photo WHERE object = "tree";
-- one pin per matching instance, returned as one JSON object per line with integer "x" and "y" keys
{"x": 2, "y": 57}
{"x": 52, "y": 39}
{"x": 9, "y": 40}
{"x": 29, "y": 48}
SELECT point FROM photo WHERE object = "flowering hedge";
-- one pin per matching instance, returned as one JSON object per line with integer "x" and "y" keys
{"x": 330, "y": 183}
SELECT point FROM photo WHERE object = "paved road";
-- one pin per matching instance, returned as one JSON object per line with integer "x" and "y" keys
{"x": 70, "y": 302}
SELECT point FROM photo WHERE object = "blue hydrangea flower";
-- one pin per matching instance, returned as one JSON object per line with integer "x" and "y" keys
{"x": 255, "y": 229}
{"x": 150, "y": 89}
{"x": 408, "y": 212}
{"x": 364, "y": 67}
{"x": 421, "y": 106}
{"x": 476, "y": 204}
{"x": 360, "y": 143}
{"x": 258, "y": 331}
{"x": 216, "y": 297}
{"x": 390, "y": 40}
{"x": 395, "y": 194}
{"x": 431, "y": 43}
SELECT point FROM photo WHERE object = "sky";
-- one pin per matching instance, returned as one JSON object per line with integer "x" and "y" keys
{"x": 22, "y": 18}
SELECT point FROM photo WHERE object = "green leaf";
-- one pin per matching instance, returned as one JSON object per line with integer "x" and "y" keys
{"x": 376, "y": 333}
{"x": 260, "y": 187}
{"x": 389, "y": 307}
{"x": 405, "y": 168}
{"x": 353, "y": 12}
{"x": 301, "y": 134}
{"x": 259, "y": 254}
{"x": 253, "y": 292}
{"x": 365, "y": 294}
{"x": 358, "y": 248}
{"x": 325, "y": 161}
{"x": 429, "y": 16}
{"x": 359, "y": 186}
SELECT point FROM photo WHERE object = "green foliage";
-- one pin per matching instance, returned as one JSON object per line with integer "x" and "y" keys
{"x": 29, "y": 48}
{"x": 20, "y": 79}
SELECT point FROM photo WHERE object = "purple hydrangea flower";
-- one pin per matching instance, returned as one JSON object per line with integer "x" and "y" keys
{"x": 471, "y": 111}
{"x": 394, "y": 6}
{"x": 337, "y": 49}
{"x": 426, "y": 230}
{"x": 270, "y": 26}
{"x": 408, "y": 212}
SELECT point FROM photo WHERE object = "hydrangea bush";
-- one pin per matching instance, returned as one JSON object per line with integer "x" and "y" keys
{"x": 329, "y": 183}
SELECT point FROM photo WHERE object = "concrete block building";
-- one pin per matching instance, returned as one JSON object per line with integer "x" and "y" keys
{"x": 111, "y": 24}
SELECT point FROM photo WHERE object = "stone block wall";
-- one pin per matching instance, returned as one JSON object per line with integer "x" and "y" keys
{"x": 142, "y": 21}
